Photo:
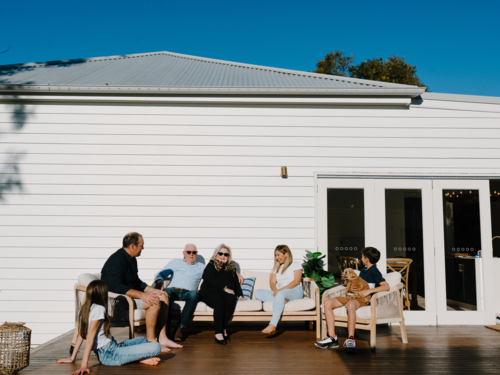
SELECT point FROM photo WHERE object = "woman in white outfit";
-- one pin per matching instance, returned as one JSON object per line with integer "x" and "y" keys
{"x": 285, "y": 283}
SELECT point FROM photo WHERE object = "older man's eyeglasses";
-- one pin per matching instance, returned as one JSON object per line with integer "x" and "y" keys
{"x": 223, "y": 254}
{"x": 189, "y": 252}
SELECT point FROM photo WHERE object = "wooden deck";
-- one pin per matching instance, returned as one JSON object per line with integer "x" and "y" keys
{"x": 431, "y": 350}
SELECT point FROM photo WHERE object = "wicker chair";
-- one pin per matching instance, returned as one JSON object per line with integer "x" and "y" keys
{"x": 385, "y": 307}
{"x": 402, "y": 265}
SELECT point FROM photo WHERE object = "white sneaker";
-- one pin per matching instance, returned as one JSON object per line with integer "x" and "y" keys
{"x": 327, "y": 342}
{"x": 350, "y": 345}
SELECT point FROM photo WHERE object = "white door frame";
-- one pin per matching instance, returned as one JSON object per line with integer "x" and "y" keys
{"x": 486, "y": 306}
{"x": 432, "y": 216}
{"x": 420, "y": 317}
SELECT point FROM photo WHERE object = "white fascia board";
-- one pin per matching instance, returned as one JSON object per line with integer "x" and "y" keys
{"x": 409, "y": 91}
{"x": 141, "y": 100}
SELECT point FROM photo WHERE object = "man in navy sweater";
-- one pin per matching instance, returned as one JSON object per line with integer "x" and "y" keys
{"x": 121, "y": 274}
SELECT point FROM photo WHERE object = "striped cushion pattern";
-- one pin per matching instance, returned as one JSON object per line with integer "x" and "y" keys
{"x": 247, "y": 287}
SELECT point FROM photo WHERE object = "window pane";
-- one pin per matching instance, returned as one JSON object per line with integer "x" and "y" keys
{"x": 405, "y": 242}
{"x": 346, "y": 225}
{"x": 462, "y": 241}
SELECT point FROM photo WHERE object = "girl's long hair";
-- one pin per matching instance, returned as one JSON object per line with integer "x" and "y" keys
{"x": 283, "y": 249}
{"x": 97, "y": 292}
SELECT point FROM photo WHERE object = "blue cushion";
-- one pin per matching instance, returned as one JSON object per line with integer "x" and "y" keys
{"x": 247, "y": 287}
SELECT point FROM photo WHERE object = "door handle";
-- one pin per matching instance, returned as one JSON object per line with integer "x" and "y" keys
{"x": 460, "y": 268}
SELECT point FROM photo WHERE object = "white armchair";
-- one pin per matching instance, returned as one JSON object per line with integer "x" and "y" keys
{"x": 385, "y": 307}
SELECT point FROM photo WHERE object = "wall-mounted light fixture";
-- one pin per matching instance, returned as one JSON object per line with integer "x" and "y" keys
{"x": 284, "y": 172}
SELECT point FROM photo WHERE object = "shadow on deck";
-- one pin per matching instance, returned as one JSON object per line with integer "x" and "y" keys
{"x": 433, "y": 350}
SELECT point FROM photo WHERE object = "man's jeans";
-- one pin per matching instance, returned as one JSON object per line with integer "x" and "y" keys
{"x": 279, "y": 301}
{"x": 113, "y": 354}
{"x": 191, "y": 299}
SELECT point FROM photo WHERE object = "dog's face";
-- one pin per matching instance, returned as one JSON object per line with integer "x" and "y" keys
{"x": 349, "y": 274}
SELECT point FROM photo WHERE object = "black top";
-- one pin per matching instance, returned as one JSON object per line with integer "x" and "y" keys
{"x": 217, "y": 280}
{"x": 121, "y": 274}
{"x": 371, "y": 275}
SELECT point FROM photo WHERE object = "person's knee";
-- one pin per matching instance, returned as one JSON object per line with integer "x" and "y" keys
{"x": 351, "y": 307}
{"x": 192, "y": 295}
{"x": 330, "y": 303}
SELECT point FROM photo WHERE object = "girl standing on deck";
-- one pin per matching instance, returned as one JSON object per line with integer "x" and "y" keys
{"x": 94, "y": 326}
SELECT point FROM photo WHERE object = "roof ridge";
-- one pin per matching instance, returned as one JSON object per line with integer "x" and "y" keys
{"x": 356, "y": 81}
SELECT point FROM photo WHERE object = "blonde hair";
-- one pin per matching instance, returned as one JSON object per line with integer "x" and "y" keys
{"x": 222, "y": 246}
{"x": 283, "y": 249}
{"x": 97, "y": 293}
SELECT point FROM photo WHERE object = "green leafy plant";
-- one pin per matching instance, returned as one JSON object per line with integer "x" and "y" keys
{"x": 313, "y": 268}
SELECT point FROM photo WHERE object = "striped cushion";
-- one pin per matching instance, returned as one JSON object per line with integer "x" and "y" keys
{"x": 247, "y": 287}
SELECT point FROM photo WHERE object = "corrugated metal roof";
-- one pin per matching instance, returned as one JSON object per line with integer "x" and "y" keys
{"x": 167, "y": 69}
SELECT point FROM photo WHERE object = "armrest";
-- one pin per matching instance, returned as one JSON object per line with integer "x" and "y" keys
{"x": 337, "y": 291}
{"x": 385, "y": 305}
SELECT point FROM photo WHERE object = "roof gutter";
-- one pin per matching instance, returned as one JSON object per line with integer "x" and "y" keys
{"x": 408, "y": 92}
{"x": 217, "y": 100}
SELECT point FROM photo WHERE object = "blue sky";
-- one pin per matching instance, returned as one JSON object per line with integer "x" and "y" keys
{"x": 455, "y": 44}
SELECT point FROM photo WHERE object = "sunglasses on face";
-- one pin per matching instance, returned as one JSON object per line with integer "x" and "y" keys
{"x": 189, "y": 252}
{"x": 223, "y": 254}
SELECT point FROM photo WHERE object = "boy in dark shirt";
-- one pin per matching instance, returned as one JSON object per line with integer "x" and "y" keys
{"x": 370, "y": 273}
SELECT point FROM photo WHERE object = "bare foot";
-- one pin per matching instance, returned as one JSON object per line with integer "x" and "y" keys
{"x": 150, "y": 361}
{"x": 164, "y": 349}
{"x": 169, "y": 343}
{"x": 269, "y": 330}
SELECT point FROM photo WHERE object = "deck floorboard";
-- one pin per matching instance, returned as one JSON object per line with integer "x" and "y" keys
{"x": 432, "y": 350}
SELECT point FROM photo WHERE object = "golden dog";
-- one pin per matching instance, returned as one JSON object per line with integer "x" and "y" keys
{"x": 356, "y": 281}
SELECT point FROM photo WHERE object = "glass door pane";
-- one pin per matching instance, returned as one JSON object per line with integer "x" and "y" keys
{"x": 346, "y": 227}
{"x": 462, "y": 244}
{"x": 405, "y": 243}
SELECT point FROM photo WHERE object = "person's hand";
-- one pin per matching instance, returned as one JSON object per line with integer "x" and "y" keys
{"x": 163, "y": 296}
{"x": 150, "y": 298}
{"x": 82, "y": 371}
{"x": 274, "y": 294}
{"x": 65, "y": 360}
{"x": 240, "y": 278}
{"x": 364, "y": 293}
{"x": 230, "y": 291}
{"x": 242, "y": 299}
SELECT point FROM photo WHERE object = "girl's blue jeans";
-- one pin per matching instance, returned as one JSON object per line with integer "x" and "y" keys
{"x": 113, "y": 354}
{"x": 279, "y": 301}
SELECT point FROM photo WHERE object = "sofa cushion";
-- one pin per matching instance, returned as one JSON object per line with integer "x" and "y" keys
{"x": 261, "y": 280}
{"x": 302, "y": 304}
{"x": 85, "y": 278}
{"x": 250, "y": 305}
{"x": 392, "y": 278}
{"x": 179, "y": 305}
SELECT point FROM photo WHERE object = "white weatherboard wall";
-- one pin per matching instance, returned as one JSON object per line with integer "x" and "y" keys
{"x": 196, "y": 173}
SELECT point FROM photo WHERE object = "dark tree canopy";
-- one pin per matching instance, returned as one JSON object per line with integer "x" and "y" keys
{"x": 394, "y": 69}
{"x": 335, "y": 63}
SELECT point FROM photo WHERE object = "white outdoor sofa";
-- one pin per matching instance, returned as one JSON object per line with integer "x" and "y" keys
{"x": 305, "y": 309}
{"x": 385, "y": 307}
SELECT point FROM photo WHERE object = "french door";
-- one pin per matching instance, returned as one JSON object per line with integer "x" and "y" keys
{"x": 408, "y": 220}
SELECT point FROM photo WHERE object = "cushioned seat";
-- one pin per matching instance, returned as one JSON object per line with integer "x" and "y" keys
{"x": 303, "y": 304}
{"x": 251, "y": 305}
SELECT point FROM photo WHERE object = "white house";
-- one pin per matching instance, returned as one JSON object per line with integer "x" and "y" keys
{"x": 187, "y": 149}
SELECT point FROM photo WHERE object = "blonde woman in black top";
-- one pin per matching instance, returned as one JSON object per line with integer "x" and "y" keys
{"x": 220, "y": 290}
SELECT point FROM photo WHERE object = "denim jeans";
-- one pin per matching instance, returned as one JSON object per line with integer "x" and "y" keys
{"x": 191, "y": 299}
{"x": 113, "y": 354}
{"x": 266, "y": 295}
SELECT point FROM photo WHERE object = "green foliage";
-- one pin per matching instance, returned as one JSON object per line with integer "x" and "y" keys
{"x": 313, "y": 268}
{"x": 394, "y": 69}
{"x": 335, "y": 63}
